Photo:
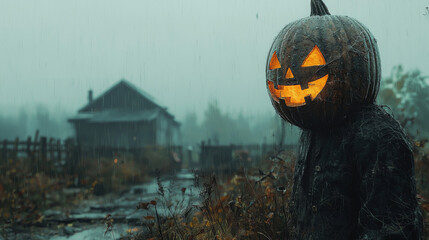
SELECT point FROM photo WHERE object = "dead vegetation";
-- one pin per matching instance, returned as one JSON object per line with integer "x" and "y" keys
{"x": 249, "y": 205}
{"x": 26, "y": 194}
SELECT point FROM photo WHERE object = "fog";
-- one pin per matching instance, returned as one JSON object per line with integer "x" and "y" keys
{"x": 206, "y": 157}
{"x": 185, "y": 53}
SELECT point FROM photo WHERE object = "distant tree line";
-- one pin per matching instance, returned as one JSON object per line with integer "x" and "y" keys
{"x": 407, "y": 94}
{"x": 27, "y": 122}
{"x": 221, "y": 128}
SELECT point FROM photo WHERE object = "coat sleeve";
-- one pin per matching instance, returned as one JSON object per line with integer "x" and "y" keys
{"x": 386, "y": 189}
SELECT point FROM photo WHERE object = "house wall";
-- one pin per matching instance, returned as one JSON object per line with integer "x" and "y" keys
{"x": 162, "y": 131}
{"x": 176, "y": 138}
{"x": 167, "y": 131}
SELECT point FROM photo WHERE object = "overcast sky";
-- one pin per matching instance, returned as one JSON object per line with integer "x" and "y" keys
{"x": 183, "y": 52}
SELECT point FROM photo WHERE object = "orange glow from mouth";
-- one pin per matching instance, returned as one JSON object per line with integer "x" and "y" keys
{"x": 293, "y": 95}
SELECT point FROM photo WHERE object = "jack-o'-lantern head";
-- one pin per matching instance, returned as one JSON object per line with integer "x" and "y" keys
{"x": 321, "y": 67}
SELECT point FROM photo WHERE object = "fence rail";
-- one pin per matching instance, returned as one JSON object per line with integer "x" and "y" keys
{"x": 52, "y": 149}
{"x": 228, "y": 158}
{"x": 64, "y": 155}
{"x": 52, "y": 155}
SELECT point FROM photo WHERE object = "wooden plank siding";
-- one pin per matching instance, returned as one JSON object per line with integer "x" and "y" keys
{"x": 125, "y": 117}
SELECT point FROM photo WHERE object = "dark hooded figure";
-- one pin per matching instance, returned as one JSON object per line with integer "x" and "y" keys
{"x": 354, "y": 178}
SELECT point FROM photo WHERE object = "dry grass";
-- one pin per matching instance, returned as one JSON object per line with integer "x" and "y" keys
{"x": 252, "y": 205}
{"x": 25, "y": 194}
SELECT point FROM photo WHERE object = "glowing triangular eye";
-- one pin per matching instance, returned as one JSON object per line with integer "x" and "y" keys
{"x": 289, "y": 74}
{"x": 314, "y": 58}
{"x": 274, "y": 62}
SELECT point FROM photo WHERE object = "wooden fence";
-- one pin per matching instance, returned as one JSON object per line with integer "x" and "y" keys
{"x": 52, "y": 149}
{"x": 43, "y": 154}
{"x": 55, "y": 156}
{"x": 229, "y": 158}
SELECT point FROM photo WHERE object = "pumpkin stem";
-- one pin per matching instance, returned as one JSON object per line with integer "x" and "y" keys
{"x": 318, "y": 8}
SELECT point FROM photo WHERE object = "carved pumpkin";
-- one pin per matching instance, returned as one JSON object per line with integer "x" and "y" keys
{"x": 322, "y": 67}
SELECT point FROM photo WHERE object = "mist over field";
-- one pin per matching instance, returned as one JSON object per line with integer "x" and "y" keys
{"x": 186, "y": 54}
{"x": 151, "y": 119}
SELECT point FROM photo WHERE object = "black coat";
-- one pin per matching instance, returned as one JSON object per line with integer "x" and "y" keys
{"x": 356, "y": 181}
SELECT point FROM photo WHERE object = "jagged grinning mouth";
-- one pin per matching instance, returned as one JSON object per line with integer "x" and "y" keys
{"x": 294, "y": 95}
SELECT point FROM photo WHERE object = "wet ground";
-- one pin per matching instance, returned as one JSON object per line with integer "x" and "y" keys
{"x": 87, "y": 220}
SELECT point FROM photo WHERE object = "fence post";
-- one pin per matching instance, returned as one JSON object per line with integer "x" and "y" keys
{"x": 72, "y": 156}
{"x": 42, "y": 160}
{"x": 36, "y": 154}
{"x": 15, "y": 149}
{"x": 36, "y": 138}
{"x": 43, "y": 144}
{"x": 29, "y": 155}
{"x": 50, "y": 149}
{"x": 59, "y": 150}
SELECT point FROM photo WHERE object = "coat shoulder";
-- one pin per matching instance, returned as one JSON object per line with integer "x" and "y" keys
{"x": 374, "y": 125}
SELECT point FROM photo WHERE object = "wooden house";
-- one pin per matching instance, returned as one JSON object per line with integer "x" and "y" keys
{"x": 124, "y": 117}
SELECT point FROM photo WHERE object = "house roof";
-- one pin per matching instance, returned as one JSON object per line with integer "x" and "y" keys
{"x": 116, "y": 115}
{"x": 125, "y": 83}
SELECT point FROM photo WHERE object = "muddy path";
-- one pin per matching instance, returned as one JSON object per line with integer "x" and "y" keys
{"x": 87, "y": 220}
